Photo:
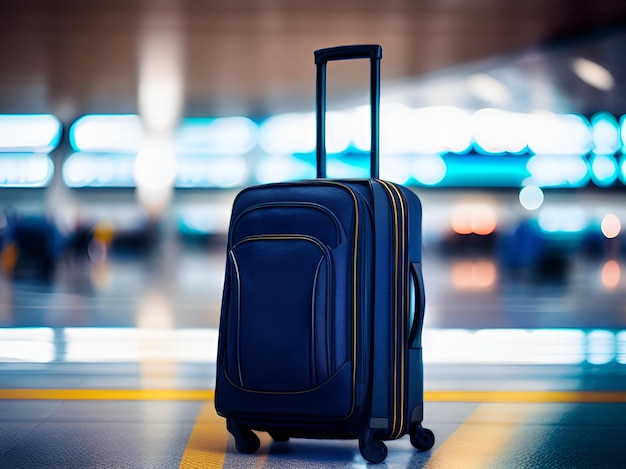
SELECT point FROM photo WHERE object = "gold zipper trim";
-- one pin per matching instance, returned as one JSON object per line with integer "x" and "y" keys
{"x": 399, "y": 363}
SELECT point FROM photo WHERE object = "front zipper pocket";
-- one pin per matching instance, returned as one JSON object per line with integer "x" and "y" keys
{"x": 281, "y": 297}
{"x": 289, "y": 217}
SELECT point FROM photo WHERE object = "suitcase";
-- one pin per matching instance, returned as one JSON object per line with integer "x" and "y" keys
{"x": 323, "y": 303}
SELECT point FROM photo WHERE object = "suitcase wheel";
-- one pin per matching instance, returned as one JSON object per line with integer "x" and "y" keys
{"x": 373, "y": 451}
{"x": 246, "y": 440}
{"x": 422, "y": 438}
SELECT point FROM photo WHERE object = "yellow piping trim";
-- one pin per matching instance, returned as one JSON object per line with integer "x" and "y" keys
{"x": 280, "y": 237}
{"x": 394, "y": 424}
{"x": 405, "y": 297}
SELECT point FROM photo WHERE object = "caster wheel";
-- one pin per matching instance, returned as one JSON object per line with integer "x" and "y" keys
{"x": 422, "y": 438}
{"x": 373, "y": 451}
{"x": 246, "y": 440}
{"x": 279, "y": 436}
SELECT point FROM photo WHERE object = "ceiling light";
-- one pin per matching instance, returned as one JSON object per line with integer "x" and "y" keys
{"x": 593, "y": 74}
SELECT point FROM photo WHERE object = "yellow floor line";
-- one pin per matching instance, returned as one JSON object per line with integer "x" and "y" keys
{"x": 481, "y": 439}
{"x": 209, "y": 394}
{"x": 207, "y": 444}
{"x": 526, "y": 396}
{"x": 109, "y": 394}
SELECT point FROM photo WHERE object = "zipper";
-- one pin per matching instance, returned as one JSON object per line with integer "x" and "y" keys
{"x": 312, "y": 205}
{"x": 400, "y": 308}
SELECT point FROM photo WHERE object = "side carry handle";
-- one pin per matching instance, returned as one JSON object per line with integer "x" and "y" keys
{"x": 417, "y": 322}
{"x": 322, "y": 56}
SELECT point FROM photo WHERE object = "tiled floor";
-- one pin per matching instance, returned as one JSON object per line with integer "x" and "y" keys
{"x": 117, "y": 371}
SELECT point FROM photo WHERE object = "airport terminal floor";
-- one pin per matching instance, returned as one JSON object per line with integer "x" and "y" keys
{"x": 112, "y": 366}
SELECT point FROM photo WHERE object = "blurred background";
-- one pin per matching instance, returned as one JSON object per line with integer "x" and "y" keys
{"x": 128, "y": 126}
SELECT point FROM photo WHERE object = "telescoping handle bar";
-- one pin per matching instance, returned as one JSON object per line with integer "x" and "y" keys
{"x": 322, "y": 57}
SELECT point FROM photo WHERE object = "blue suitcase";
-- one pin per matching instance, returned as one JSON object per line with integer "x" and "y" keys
{"x": 323, "y": 304}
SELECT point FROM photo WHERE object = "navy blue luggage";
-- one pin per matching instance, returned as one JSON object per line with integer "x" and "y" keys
{"x": 323, "y": 304}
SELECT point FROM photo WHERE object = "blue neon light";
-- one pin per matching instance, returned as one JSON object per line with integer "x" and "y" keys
{"x": 542, "y": 150}
{"x": 25, "y": 170}
{"x": 485, "y": 171}
{"x": 604, "y": 170}
{"x": 29, "y": 133}
{"x": 107, "y": 133}
{"x": 605, "y": 134}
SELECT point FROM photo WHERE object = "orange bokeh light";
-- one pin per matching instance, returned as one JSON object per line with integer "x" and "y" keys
{"x": 611, "y": 226}
{"x": 474, "y": 275}
{"x": 611, "y": 274}
{"x": 480, "y": 219}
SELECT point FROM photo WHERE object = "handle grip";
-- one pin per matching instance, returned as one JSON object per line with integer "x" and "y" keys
{"x": 359, "y": 51}
{"x": 415, "y": 336}
{"x": 322, "y": 56}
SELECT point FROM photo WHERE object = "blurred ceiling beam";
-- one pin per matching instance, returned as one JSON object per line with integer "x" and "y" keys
{"x": 255, "y": 57}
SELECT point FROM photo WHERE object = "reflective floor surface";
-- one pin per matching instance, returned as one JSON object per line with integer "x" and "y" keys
{"x": 112, "y": 366}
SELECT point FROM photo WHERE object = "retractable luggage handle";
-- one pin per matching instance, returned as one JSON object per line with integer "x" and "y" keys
{"x": 322, "y": 57}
